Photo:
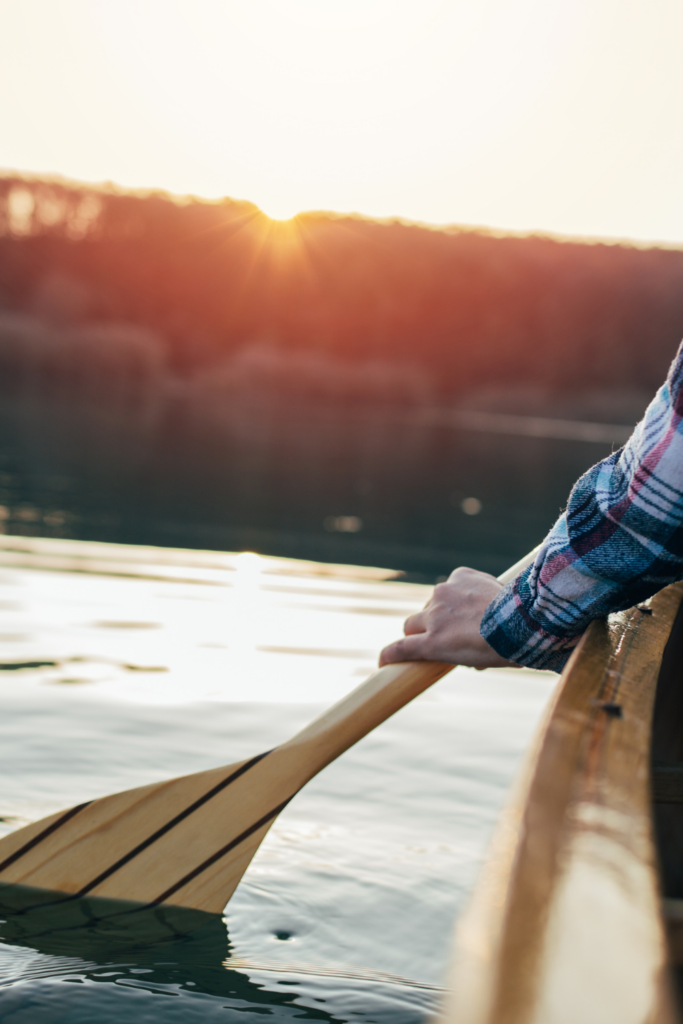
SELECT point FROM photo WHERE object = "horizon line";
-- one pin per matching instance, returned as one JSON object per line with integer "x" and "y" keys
{"x": 143, "y": 191}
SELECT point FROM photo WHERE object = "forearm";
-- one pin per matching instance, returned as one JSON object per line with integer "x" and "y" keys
{"x": 620, "y": 540}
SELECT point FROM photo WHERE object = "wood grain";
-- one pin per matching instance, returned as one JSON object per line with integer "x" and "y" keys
{"x": 565, "y": 925}
{"x": 189, "y": 840}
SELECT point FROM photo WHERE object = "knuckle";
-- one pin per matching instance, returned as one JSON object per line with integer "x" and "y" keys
{"x": 461, "y": 572}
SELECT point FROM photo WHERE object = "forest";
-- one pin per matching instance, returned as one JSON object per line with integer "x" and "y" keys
{"x": 177, "y": 371}
{"x": 122, "y": 287}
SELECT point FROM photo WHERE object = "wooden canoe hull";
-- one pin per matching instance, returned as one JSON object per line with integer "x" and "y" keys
{"x": 566, "y": 922}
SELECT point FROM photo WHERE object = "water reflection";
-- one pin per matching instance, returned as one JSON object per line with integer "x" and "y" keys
{"x": 293, "y": 479}
{"x": 121, "y": 951}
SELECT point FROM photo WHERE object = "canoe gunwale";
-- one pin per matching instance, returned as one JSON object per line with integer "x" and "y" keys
{"x": 565, "y": 923}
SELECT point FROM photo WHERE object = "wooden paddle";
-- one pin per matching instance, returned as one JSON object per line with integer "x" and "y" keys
{"x": 189, "y": 840}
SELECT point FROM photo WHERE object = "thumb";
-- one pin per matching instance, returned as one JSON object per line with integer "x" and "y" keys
{"x": 410, "y": 648}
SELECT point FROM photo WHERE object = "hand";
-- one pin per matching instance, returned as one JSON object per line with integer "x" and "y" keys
{"x": 448, "y": 627}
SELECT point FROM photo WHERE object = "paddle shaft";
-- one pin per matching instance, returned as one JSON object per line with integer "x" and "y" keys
{"x": 189, "y": 840}
{"x": 375, "y": 700}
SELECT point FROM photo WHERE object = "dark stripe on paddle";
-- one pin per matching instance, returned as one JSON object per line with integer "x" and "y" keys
{"x": 222, "y": 852}
{"x": 169, "y": 825}
{"x": 32, "y": 843}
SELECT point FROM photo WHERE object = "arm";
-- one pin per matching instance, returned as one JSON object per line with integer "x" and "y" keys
{"x": 619, "y": 541}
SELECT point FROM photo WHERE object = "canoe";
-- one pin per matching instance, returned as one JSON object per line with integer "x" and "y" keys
{"x": 577, "y": 917}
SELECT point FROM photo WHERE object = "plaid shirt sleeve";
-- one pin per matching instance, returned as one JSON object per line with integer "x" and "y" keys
{"x": 619, "y": 541}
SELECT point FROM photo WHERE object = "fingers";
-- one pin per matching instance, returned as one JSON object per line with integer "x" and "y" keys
{"x": 415, "y": 624}
{"x": 463, "y": 573}
{"x": 448, "y": 628}
{"x": 408, "y": 649}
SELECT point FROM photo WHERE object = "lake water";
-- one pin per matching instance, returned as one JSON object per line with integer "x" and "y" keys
{"x": 395, "y": 488}
{"x": 125, "y": 665}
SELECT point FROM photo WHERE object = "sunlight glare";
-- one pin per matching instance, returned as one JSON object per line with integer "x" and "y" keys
{"x": 248, "y": 564}
{"x": 521, "y": 114}
{"x": 280, "y": 211}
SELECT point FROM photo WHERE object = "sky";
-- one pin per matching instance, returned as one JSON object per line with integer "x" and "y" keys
{"x": 561, "y": 116}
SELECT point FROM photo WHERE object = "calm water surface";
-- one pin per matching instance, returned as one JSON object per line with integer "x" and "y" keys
{"x": 284, "y": 480}
{"x": 141, "y": 664}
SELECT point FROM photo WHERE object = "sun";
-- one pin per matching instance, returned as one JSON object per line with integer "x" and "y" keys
{"x": 279, "y": 209}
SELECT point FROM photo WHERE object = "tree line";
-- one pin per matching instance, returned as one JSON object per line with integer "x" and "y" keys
{"x": 213, "y": 280}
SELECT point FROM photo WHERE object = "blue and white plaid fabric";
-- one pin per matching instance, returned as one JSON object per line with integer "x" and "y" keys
{"x": 619, "y": 541}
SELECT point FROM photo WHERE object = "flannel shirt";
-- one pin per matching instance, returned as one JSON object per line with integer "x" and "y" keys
{"x": 619, "y": 541}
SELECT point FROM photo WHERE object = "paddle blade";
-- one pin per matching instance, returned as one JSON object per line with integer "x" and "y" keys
{"x": 95, "y": 928}
{"x": 187, "y": 841}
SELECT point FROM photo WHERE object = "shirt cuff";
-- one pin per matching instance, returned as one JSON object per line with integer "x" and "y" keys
{"x": 513, "y": 633}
